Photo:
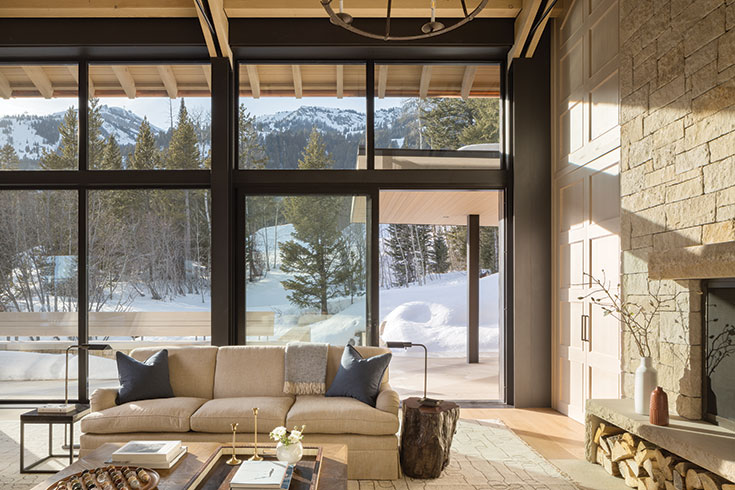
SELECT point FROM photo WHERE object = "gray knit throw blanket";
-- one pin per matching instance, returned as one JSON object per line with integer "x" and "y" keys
{"x": 306, "y": 368}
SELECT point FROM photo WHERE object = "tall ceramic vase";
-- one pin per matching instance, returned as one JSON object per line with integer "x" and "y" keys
{"x": 646, "y": 380}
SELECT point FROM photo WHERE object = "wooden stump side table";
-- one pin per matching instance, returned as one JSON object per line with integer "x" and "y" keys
{"x": 426, "y": 437}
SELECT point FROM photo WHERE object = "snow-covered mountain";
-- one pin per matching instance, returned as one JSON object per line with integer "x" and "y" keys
{"x": 31, "y": 134}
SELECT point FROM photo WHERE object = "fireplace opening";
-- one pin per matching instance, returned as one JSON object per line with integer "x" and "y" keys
{"x": 719, "y": 352}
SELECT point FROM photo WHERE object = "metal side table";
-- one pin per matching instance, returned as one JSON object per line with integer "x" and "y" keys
{"x": 33, "y": 417}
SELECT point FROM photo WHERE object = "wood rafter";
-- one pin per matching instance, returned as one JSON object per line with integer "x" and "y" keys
{"x": 207, "y": 69}
{"x": 40, "y": 80}
{"x": 208, "y": 39}
{"x": 382, "y": 80}
{"x": 74, "y": 71}
{"x": 5, "y": 90}
{"x": 340, "y": 81}
{"x": 425, "y": 81}
{"x": 467, "y": 80}
{"x": 254, "y": 80}
{"x": 533, "y": 44}
{"x": 169, "y": 80}
{"x": 126, "y": 80}
{"x": 222, "y": 28}
{"x": 298, "y": 86}
{"x": 523, "y": 24}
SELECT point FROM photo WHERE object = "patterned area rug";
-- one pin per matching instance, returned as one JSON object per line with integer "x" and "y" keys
{"x": 485, "y": 455}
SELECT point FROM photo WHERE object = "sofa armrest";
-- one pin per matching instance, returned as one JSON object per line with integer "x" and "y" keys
{"x": 102, "y": 398}
{"x": 388, "y": 400}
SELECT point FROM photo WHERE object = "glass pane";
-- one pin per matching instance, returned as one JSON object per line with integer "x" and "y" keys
{"x": 423, "y": 291}
{"x": 149, "y": 117}
{"x": 305, "y": 260}
{"x": 283, "y": 106}
{"x": 38, "y": 293}
{"x": 149, "y": 270}
{"x": 39, "y": 126}
{"x": 436, "y": 116}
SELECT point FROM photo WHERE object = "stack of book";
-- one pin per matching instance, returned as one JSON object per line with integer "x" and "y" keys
{"x": 262, "y": 475}
{"x": 160, "y": 455}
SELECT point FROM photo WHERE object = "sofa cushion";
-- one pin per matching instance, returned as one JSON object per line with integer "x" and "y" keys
{"x": 143, "y": 380}
{"x": 336, "y": 415}
{"x": 158, "y": 415}
{"x": 191, "y": 368}
{"x": 359, "y": 378}
{"x": 249, "y": 371}
{"x": 334, "y": 359}
{"x": 217, "y": 415}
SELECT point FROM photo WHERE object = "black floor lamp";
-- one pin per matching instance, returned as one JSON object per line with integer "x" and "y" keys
{"x": 426, "y": 402}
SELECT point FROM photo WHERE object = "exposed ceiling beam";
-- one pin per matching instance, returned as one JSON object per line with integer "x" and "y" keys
{"x": 206, "y": 31}
{"x": 467, "y": 80}
{"x": 5, "y": 90}
{"x": 523, "y": 24}
{"x": 254, "y": 80}
{"x": 40, "y": 80}
{"x": 425, "y": 81}
{"x": 222, "y": 28}
{"x": 340, "y": 81}
{"x": 536, "y": 37}
{"x": 207, "y": 69}
{"x": 382, "y": 80}
{"x": 297, "y": 85}
{"x": 126, "y": 80}
{"x": 169, "y": 80}
{"x": 364, "y": 8}
{"x": 75, "y": 74}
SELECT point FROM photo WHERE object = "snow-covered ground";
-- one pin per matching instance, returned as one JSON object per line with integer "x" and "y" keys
{"x": 434, "y": 314}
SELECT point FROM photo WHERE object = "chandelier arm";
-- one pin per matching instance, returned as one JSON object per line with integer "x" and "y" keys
{"x": 464, "y": 7}
{"x": 387, "y": 20}
{"x": 337, "y": 21}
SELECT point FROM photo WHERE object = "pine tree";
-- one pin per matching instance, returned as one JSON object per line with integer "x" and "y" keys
{"x": 453, "y": 123}
{"x": 316, "y": 255}
{"x": 8, "y": 157}
{"x": 96, "y": 141}
{"x": 66, "y": 156}
{"x": 439, "y": 254}
{"x": 146, "y": 155}
{"x": 183, "y": 152}
{"x": 252, "y": 152}
{"x": 112, "y": 157}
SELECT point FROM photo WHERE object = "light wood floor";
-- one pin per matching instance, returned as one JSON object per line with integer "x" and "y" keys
{"x": 553, "y": 435}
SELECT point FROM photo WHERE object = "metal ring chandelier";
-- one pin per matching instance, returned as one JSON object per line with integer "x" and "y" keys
{"x": 430, "y": 29}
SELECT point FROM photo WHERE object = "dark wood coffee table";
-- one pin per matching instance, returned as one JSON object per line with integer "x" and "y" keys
{"x": 332, "y": 474}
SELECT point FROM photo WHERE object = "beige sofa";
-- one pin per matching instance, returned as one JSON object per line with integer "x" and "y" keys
{"x": 216, "y": 386}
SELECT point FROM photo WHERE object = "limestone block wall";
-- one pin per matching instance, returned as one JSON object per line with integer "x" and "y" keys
{"x": 677, "y": 116}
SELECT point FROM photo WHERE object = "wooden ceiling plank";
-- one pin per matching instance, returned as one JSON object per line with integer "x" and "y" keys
{"x": 207, "y": 69}
{"x": 467, "y": 80}
{"x": 169, "y": 81}
{"x": 523, "y": 24}
{"x": 425, "y": 81}
{"x": 254, "y": 80}
{"x": 74, "y": 72}
{"x": 298, "y": 86}
{"x": 382, "y": 80}
{"x": 208, "y": 39}
{"x": 340, "y": 81}
{"x": 40, "y": 80}
{"x": 127, "y": 82}
{"x": 5, "y": 90}
{"x": 364, "y": 8}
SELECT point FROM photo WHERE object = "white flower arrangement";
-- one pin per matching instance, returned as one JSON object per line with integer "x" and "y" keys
{"x": 280, "y": 434}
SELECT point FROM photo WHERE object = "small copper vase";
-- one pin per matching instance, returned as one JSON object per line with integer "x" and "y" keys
{"x": 659, "y": 412}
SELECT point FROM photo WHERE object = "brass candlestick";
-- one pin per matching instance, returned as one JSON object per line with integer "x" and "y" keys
{"x": 233, "y": 461}
{"x": 255, "y": 456}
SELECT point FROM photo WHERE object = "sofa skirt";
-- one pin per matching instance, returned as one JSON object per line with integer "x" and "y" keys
{"x": 369, "y": 457}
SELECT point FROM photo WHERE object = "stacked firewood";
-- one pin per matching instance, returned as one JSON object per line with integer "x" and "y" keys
{"x": 647, "y": 467}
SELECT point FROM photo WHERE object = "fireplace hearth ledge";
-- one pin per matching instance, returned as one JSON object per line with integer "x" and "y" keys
{"x": 711, "y": 261}
{"x": 708, "y": 445}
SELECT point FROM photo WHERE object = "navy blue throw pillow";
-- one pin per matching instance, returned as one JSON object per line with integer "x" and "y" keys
{"x": 358, "y": 377}
{"x": 143, "y": 380}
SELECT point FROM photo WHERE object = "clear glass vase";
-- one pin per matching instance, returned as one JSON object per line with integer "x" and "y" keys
{"x": 289, "y": 453}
